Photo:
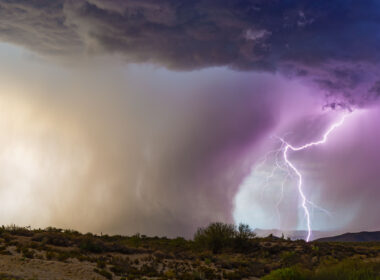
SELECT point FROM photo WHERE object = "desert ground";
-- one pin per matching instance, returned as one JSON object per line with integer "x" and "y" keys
{"x": 66, "y": 254}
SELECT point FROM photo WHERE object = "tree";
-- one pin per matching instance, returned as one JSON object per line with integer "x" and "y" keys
{"x": 245, "y": 232}
{"x": 215, "y": 236}
{"x": 242, "y": 237}
{"x": 219, "y": 236}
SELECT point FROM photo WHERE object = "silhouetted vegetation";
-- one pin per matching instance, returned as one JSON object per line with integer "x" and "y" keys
{"x": 215, "y": 237}
{"x": 219, "y": 236}
{"x": 218, "y": 251}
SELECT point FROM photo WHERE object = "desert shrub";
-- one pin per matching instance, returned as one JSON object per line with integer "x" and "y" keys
{"x": 104, "y": 273}
{"x": 243, "y": 237}
{"x": 159, "y": 256}
{"x": 53, "y": 229}
{"x": 344, "y": 270}
{"x": 215, "y": 236}
{"x": 53, "y": 238}
{"x": 315, "y": 251}
{"x": 71, "y": 232}
{"x": 149, "y": 271}
{"x": 178, "y": 243}
{"x": 20, "y": 231}
{"x": 118, "y": 248}
{"x": 208, "y": 272}
{"x": 63, "y": 256}
{"x": 135, "y": 240}
{"x": 50, "y": 255}
{"x": 170, "y": 274}
{"x": 196, "y": 275}
{"x": 119, "y": 269}
{"x": 120, "y": 266}
{"x": 289, "y": 273}
{"x": 235, "y": 275}
{"x": 101, "y": 263}
{"x": 26, "y": 253}
{"x": 290, "y": 258}
{"x": 219, "y": 236}
{"x": 5, "y": 253}
{"x": 90, "y": 244}
{"x": 7, "y": 237}
{"x": 348, "y": 270}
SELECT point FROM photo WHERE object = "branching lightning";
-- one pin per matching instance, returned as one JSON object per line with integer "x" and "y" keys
{"x": 277, "y": 170}
{"x": 286, "y": 149}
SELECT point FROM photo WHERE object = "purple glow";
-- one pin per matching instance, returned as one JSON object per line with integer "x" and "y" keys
{"x": 298, "y": 173}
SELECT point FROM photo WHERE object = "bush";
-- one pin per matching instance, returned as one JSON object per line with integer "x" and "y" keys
{"x": 344, "y": 270}
{"x": 290, "y": 258}
{"x": 101, "y": 263}
{"x": 54, "y": 238}
{"x": 90, "y": 244}
{"x": 215, "y": 237}
{"x": 63, "y": 256}
{"x": 26, "y": 253}
{"x": 104, "y": 273}
{"x": 290, "y": 273}
{"x": 349, "y": 270}
{"x": 218, "y": 236}
{"x": 243, "y": 236}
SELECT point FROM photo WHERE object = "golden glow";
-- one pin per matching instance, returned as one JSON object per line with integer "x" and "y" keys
{"x": 40, "y": 155}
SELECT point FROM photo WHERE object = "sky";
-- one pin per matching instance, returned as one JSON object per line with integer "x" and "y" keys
{"x": 160, "y": 117}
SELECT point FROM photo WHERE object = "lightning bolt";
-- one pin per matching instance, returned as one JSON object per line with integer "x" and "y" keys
{"x": 276, "y": 169}
{"x": 288, "y": 147}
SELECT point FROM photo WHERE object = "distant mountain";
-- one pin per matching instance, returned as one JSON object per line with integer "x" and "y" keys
{"x": 364, "y": 236}
{"x": 292, "y": 234}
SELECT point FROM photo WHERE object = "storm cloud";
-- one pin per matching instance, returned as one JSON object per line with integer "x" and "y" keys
{"x": 333, "y": 44}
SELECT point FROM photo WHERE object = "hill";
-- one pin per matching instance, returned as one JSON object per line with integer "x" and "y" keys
{"x": 292, "y": 234}
{"x": 364, "y": 236}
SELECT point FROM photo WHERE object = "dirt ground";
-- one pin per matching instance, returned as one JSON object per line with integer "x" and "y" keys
{"x": 16, "y": 266}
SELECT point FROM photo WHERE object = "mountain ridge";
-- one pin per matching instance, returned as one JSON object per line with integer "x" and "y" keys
{"x": 363, "y": 236}
{"x": 291, "y": 234}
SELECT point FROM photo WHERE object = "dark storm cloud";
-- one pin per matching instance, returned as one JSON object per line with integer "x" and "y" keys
{"x": 376, "y": 88}
{"x": 39, "y": 25}
{"x": 332, "y": 43}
